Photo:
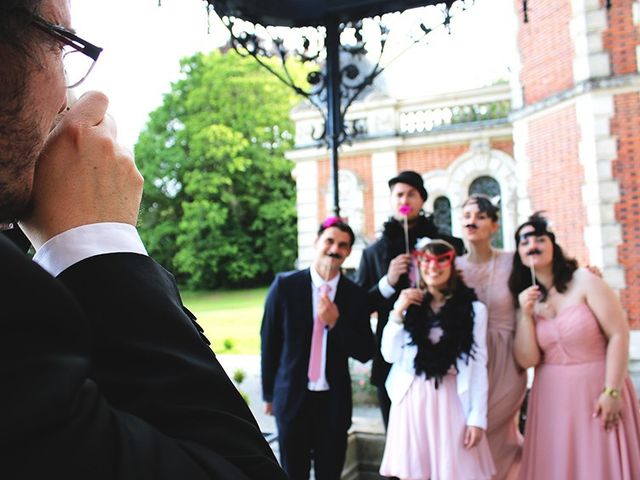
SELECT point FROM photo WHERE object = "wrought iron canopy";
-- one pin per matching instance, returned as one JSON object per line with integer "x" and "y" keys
{"x": 303, "y": 13}
{"x": 339, "y": 82}
{"x": 338, "y": 85}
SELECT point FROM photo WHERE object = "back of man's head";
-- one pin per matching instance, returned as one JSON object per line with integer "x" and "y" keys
{"x": 20, "y": 137}
{"x": 16, "y": 45}
{"x": 15, "y": 24}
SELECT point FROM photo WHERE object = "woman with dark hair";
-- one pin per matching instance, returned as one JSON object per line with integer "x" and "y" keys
{"x": 435, "y": 341}
{"x": 583, "y": 419}
{"x": 486, "y": 270}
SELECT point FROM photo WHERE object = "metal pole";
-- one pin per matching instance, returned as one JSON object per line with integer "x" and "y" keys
{"x": 334, "y": 120}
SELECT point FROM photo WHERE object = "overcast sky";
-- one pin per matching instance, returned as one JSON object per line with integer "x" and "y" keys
{"x": 143, "y": 44}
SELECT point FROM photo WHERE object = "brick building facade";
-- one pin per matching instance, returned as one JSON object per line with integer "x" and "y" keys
{"x": 562, "y": 136}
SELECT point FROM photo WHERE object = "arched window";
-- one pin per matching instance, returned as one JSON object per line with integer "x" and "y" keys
{"x": 442, "y": 214}
{"x": 489, "y": 186}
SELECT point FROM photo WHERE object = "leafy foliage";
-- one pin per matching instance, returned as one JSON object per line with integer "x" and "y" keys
{"x": 219, "y": 202}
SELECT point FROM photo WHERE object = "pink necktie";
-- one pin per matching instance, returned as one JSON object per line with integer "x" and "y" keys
{"x": 315, "y": 358}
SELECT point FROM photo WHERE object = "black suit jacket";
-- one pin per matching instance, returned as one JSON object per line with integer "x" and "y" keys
{"x": 286, "y": 342}
{"x": 105, "y": 376}
{"x": 374, "y": 265}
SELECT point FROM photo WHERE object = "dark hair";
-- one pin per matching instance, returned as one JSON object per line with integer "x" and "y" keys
{"x": 484, "y": 205}
{"x": 438, "y": 247}
{"x": 16, "y": 51}
{"x": 15, "y": 24}
{"x": 562, "y": 266}
{"x": 340, "y": 224}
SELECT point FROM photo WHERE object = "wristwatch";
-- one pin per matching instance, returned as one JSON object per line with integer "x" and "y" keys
{"x": 611, "y": 392}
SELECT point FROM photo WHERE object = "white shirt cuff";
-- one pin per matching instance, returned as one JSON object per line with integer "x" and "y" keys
{"x": 385, "y": 289}
{"x": 80, "y": 243}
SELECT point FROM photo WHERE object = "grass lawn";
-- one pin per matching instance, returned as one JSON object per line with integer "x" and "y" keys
{"x": 233, "y": 316}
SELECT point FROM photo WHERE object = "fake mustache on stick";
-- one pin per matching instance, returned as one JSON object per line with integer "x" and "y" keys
{"x": 533, "y": 251}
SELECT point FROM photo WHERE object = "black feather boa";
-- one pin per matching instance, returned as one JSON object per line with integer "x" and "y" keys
{"x": 393, "y": 233}
{"x": 455, "y": 318}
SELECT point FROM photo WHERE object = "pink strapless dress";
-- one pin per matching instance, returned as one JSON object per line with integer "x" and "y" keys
{"x": 562, "y": 440}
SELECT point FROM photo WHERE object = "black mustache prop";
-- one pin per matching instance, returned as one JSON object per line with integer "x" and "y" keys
{"x": 337, "y": 256}
{"x": 471, "y": 225}
{"x": 535, "y": 251}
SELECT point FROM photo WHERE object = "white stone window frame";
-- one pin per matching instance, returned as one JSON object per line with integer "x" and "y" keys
{"x": 454, "y": 182}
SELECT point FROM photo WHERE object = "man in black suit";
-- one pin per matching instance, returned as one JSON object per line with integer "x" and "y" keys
{"x": 104, "y": 373}
{"x": 314, "y": 320}
{"x": 384, "y": 266}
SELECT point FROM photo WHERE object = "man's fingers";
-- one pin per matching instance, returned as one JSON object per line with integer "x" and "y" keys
{"x": 401, "y": 260}
{"x": 324, "y": 300}
{"x": 90, "y": 109}
{"x": 401, "y": 267}
{"x": 109, "y": 124}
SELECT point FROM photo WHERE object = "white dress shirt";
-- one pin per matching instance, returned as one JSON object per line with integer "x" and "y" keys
{"x": 386, "y": 290}
{"x": 72, "y": 246}
{"x": 316, "y": 281}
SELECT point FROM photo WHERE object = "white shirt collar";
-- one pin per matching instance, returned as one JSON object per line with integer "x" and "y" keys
{"x": 317, "y": 280}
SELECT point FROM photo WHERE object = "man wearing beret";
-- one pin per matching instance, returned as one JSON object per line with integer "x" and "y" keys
{"x": 384, "y": 267}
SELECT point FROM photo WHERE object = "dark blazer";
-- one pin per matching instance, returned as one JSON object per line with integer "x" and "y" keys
{"x": 105, "y": 376}
{"x": 374, "y": 265}
{"x": 286, "y": 342}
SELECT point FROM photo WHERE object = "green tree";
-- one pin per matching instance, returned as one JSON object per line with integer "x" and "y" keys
{"x": 219, "y": 199}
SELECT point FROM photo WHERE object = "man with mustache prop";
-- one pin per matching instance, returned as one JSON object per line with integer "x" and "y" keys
{"x": 314, "y": 320}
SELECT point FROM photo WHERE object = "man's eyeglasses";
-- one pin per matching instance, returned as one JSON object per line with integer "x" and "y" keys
{"x": 78, "y": 55}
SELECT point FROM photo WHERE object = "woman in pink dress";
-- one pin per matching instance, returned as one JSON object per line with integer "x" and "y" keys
{"x": 435, "y": 341}
{"x": 487, "y": 270}
{"x": 583, "y": 419}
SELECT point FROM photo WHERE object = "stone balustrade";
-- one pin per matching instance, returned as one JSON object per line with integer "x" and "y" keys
{"x": 379, "y": 116}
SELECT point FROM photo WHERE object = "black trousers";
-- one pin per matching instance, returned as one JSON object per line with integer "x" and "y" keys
{"x": 385, "y": 404}
{"x": 312, "y": 435}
